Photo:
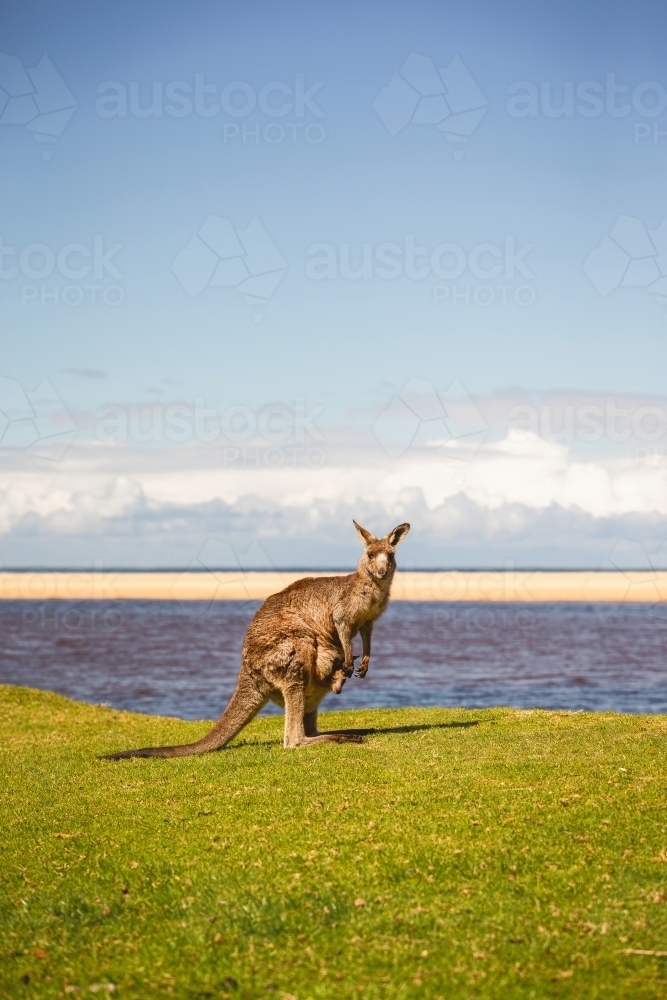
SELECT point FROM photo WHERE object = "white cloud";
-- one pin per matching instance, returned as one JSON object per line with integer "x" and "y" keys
{"x": 514, "y": 494}
{"x": 521, "y": 470}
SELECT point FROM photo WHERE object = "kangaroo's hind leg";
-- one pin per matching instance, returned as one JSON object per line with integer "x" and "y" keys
{"x": 310, "y": 723}
{"x": 295, "y": 723}
{"x": 310, "y": 728}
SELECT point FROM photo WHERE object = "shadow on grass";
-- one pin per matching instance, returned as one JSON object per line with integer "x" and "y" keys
{"x": 420, "y": 727}
{"x": 377, "y": 731}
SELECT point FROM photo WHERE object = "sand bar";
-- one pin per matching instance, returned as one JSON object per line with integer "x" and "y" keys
{"x": 448, "y": 585}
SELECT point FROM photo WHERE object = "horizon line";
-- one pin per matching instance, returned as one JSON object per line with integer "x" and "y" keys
{"x": 327, "y": 569}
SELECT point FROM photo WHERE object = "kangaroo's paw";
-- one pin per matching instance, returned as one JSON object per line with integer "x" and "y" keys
{"x": 362, "y": 669}
{"x": 348, "y": 669}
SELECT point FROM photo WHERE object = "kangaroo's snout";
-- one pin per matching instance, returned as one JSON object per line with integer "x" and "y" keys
{"x": 381, "y": 565}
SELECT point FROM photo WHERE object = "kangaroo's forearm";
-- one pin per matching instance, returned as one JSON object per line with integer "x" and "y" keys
{"x": 345, "y": 637}
{"x": 366, "y": 633}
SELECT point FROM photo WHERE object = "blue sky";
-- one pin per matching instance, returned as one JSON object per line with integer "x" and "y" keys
{"x": 530, "y": 197}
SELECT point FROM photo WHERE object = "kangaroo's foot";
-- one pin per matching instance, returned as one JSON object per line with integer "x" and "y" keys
{"x": 342, "y": 737}
{"x": 358, "y": 734}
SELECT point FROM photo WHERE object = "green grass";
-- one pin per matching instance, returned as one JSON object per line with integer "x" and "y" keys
{"x": 498, "y": 854}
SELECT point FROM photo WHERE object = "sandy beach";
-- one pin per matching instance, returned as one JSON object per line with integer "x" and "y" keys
{"x": 452, "y": 585}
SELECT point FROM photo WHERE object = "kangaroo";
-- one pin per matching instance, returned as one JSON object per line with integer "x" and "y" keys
{"x": 298, "y": 648}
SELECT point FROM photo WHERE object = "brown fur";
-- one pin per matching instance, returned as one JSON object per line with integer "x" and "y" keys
{"x": 298, "y": 648}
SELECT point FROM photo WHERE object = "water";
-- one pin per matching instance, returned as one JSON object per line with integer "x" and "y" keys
{"x": 181, "y": 659}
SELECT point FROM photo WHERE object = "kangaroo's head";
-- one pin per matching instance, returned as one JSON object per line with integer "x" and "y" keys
{"x": 378, "y": 559}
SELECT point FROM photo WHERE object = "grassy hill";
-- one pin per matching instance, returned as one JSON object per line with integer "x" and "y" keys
{"x": 493, "y": 854}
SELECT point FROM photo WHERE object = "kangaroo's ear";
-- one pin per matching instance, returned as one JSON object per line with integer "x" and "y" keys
{"x": 398, "y": 534}
{"x": 364, "y": 535}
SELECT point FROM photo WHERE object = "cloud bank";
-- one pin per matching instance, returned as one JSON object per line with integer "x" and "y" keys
{"x": 508, "y": 495}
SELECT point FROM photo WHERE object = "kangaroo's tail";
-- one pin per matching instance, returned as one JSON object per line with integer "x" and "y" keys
{"x": 243, "y": 706}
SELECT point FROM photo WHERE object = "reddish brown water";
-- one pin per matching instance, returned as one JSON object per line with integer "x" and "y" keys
{"x": 168, "y": 658}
